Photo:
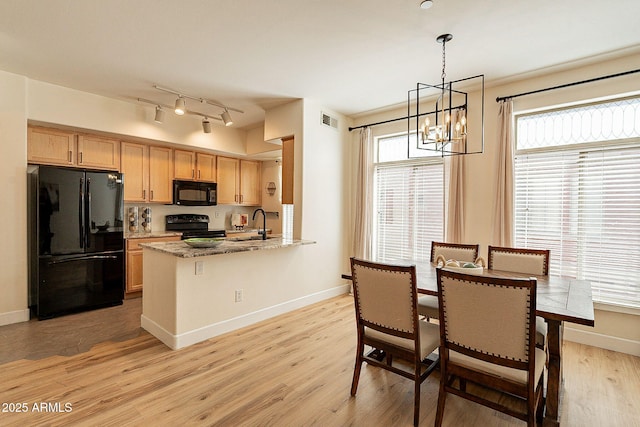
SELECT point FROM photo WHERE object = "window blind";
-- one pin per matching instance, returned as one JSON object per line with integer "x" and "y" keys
{"x": 409, "y": 209}
{"x": 583, "y": 203}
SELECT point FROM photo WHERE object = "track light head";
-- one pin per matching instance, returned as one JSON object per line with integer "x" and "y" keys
{"x": 206, "y": 125}
{"x": 159, "y": 118}
{"x": 181, "y": 106}
{"x": 226, "y": 118}
{"x": 426, "y": 4}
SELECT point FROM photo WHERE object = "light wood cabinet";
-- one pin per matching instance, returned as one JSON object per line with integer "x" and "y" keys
{"x": 160, "y": 175}
{"x": 287, "y": 171}
{"x": 193, "y": 165}
{"x": 134, "y": 260}
{"x": 184, "y": 164}
{"x": 148, "y": 173}
{"x": 50, "y": 146}
{"x": 206, "y": 167}
{"x": 134, "y": 164}
{"x": 98, "y": 153}
{"x": 250, "y": 183}
{"x": 238, "y": 181}
{"x": 227, "y": 179}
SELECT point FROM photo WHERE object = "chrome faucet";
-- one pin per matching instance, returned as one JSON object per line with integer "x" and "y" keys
{"x": 264, "y": 222}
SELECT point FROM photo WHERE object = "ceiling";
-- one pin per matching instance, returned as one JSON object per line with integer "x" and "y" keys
{"x": 353, "y": 56}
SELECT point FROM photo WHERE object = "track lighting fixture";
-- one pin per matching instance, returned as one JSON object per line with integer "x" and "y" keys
{"x": 181, "y": 106}
{"x": 226, "y": 118}
{"x": 206, "y": 125}
{"x": 159, "y": 118}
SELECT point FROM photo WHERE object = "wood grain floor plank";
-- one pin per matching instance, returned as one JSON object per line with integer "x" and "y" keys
{"x": 293, "y": 370}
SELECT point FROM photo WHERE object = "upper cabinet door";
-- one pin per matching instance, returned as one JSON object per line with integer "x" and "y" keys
{"x": 184, "y": 164}
{"x": 50, "y": 146}
{"x": 98, "y": 153}
{"x": 160, "y": 175}
{"x": 250, "y": 187}
{"x": 206, "y": 167}
{"x": 134, "y": 164}
{"x": 227, "y": 178}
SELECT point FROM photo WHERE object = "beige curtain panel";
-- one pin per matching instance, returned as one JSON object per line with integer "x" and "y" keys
{"x": 455, "y": 207}
{"x": 364, "y": 197}
{"x": 504, "y": 204}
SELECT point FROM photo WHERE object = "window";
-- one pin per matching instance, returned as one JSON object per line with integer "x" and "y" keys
{"x": 577, "y": 185}
{"x": 408, "y": 200}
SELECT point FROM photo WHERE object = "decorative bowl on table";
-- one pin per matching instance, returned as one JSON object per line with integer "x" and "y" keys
{"x": 204, "y": 242}
{"x": 466, "y": 267}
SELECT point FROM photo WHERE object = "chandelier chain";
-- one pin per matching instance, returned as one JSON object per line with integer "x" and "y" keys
{"x": 444, "y": 43}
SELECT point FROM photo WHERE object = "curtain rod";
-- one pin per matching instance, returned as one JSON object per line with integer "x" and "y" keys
{"x": 397, "y": 119}
{"x": 624, "y": 73}
{"x": 382, "y": 122}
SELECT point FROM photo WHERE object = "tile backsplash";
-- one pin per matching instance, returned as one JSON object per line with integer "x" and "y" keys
{"x": 219, "y": 216}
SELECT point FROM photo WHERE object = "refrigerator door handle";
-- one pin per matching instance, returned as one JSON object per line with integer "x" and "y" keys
{"x": 88, "y": 213}
{"x": 81, "y": 219}
{"x": 84, "y": 258}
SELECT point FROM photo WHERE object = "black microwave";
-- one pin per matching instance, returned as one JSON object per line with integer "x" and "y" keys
{"x": 192, "y": 193}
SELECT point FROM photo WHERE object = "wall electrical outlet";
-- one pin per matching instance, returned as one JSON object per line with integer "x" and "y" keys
{"x": 217, "y": 214}
{"x": 199, "y": 268}
{"x": 238, "y": 295}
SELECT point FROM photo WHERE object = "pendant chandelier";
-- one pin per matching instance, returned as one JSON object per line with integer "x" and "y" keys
{"x": 438, "y": 115}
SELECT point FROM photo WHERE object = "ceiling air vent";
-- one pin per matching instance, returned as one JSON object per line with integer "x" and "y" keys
{"x": 327, "y": 120}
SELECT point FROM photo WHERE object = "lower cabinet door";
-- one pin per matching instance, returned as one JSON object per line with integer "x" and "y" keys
{"x": 134, "y": 271}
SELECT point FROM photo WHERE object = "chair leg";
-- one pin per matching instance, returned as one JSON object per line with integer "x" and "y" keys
{"x": 442, "y": 396}
{"x": 540, "y": 400}
{"x": 357, "y": 368}
{"x": 416, "y": 394}
{"x": 389, "y": 359}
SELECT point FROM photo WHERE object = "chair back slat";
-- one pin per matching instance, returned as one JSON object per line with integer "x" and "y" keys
{"x": 519, "y": 260}
{"x": 459, "y": 252}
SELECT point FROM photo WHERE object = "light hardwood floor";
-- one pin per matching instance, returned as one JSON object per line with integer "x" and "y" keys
{"x": 293, "y": 370}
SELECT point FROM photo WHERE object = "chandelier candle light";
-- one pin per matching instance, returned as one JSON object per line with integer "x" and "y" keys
{"x": 445, "y": 129}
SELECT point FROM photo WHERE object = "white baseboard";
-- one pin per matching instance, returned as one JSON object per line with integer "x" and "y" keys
{"x": 197, "y": 335}
{"x": 14, "y": 317}
{"x": 608, "y": 342}
{"x": 159, "y": 332}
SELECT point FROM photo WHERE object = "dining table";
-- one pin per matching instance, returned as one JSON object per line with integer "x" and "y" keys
{"x": 559, "y": 299}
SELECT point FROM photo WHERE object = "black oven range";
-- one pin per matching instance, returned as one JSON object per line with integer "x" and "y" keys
{"x": 191, "y": 226}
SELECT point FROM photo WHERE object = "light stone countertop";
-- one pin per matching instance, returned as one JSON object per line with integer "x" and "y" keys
{"x": 151, "y": 234}
{"x": 182, "y": 250}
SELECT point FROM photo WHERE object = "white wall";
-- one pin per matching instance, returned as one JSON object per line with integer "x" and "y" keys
{"x": 58, "y": 105}
{"x": 320, "y": 155}
{"x": 619, "y": 331}
{"x": 13, "y": 215}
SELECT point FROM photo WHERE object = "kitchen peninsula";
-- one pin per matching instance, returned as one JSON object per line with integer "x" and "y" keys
{"x": 193, "y": 294}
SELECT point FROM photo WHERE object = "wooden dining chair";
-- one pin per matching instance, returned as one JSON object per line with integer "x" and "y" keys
{"x": 487, "y": 327}
{"x": 527, "y": 261}
{"x": 428, "y": 304}
{"x": 387, "y": 319}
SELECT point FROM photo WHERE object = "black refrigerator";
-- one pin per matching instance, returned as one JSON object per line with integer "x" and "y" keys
{"x": 76, "y": 245}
